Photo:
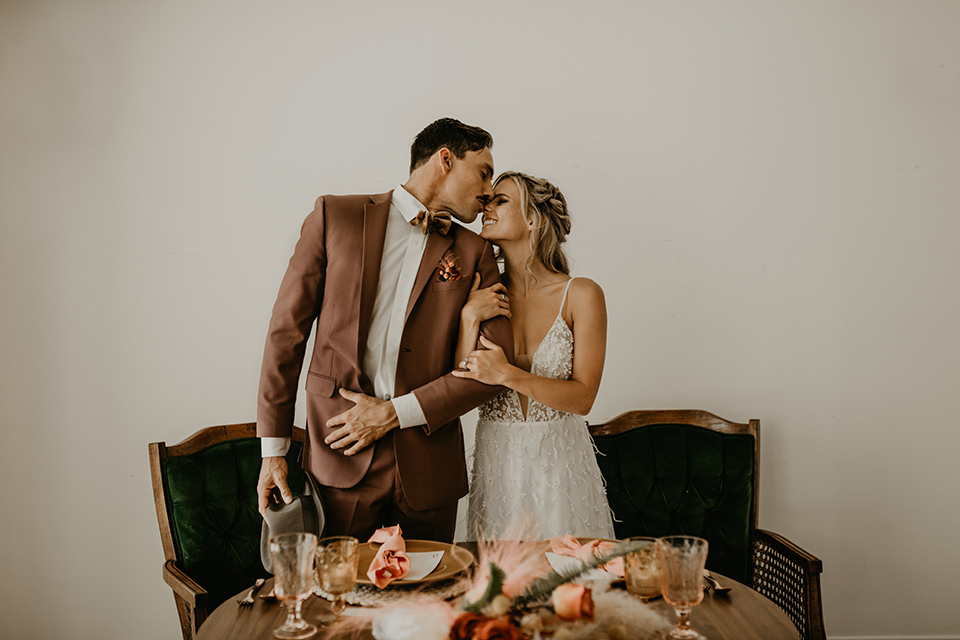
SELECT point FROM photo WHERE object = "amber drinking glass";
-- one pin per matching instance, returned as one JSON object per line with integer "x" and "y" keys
{"x": 337, "y": 559}
{"x": 682, "y": 559}
{"x": 292, "y": 555}
{"x": 641, "y": 568}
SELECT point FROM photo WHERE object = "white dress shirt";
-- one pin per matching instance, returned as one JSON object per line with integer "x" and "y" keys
{"x": 402, "y": 252}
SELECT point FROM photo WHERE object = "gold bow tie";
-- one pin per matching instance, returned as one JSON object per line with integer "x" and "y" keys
{"x": 433, "y": 221}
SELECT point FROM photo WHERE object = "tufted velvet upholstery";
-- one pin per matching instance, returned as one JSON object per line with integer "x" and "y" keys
{"x": 205, "y": 493}
{"x": 690, "y": 472}
{"x": 679, "y": 479}
{"x": 212, "y": 501}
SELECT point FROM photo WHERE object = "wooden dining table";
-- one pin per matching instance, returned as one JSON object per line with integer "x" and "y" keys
{"x": 739, "y": 614}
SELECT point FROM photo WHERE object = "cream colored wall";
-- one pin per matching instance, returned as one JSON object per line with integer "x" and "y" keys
{"x": 766, "y": 191}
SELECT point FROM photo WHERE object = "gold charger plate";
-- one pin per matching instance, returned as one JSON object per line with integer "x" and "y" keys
{"x": 455, "y": 560}
{"x": 583, "y": 541}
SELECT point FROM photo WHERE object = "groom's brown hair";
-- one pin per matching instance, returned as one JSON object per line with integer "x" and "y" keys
{"x": 450, "y": 133}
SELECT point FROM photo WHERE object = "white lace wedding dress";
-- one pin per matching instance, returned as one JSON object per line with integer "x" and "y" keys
{"x": 538, "y": 471}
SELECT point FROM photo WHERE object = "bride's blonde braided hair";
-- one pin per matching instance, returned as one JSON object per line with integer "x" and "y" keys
{"x": 543, "y": 203}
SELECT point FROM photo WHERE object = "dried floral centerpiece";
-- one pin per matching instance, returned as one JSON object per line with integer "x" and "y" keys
{"x": 510, "y": 598}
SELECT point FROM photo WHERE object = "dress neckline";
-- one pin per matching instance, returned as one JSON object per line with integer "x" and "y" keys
{"x": 550, "y": 330}
{"x": 533, "y": 358}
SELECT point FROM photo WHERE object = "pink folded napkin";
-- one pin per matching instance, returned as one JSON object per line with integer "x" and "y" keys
{"x": 568, "y": 545}
{"x": 391, "y": 562}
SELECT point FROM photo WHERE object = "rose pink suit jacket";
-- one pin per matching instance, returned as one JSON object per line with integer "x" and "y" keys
{"x": 332, "y": 279}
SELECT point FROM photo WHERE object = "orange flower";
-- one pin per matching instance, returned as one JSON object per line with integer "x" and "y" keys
{"x": 464, "y": 626}
{"x": 572, "y": 602}
{"x": 448, "y": 269}
{"x": 496, "y": 629}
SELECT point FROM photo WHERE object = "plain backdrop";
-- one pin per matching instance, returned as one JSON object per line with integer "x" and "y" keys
{"x": 767, "y": 192}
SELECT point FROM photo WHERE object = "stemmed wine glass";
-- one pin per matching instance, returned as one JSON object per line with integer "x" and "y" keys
{"x": 292, "y": 555}
{"x": 337, "y": 559}
{"x": 682, "y": 559}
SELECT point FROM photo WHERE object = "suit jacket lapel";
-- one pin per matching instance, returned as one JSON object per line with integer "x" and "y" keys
{"x": 437, "y": 245}
{"x": 375, "y": 215}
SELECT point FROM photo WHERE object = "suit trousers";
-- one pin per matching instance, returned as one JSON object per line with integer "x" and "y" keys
{"x": 378, "y": 501}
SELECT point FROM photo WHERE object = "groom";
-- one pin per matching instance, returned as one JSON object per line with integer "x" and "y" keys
{"x": 384, "y": 278}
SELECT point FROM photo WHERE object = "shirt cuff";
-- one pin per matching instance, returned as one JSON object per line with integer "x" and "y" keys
{"x": 408, "y": 411}
{"x": 274, "y": 447}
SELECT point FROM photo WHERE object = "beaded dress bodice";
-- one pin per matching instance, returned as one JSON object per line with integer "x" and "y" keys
{"x": 552, "y": 359}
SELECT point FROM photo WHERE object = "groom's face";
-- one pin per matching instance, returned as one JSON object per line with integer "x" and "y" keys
{"x": 467, "y": 186}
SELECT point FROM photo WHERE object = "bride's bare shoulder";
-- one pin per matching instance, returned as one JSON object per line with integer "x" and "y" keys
{"x": 585, "y": 296}
{"x": 585, "y": 287}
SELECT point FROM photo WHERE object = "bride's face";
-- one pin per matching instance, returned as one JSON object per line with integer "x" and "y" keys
{"x": 502, "y": 218}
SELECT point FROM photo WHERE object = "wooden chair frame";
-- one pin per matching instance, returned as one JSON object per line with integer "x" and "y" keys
{"x": 192, "y": 599}
{"x": 767, "y": 548}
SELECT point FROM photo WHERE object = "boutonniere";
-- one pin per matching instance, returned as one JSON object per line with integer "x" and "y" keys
{"x": 448, "y": 269}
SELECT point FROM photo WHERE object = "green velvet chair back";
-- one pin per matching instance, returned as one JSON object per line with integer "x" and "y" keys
{"x": 684, "y": 472}
{"x": 207, "y": 507}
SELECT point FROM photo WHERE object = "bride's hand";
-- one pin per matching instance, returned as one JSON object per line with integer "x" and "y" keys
{"x": 488, "y": 365}
{"x": 483, "y": 304}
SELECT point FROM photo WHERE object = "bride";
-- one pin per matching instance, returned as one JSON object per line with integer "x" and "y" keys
{"x": 534, "y": 459}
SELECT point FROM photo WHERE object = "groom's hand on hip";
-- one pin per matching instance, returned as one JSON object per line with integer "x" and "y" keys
{"x": 368, "y": 421}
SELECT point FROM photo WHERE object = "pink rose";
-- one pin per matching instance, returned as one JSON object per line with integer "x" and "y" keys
{"x": 572, "y": 602}
{"x": 570, "y": 546}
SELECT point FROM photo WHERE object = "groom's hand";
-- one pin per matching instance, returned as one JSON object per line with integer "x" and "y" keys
{"x": 273, "y": 475}
{"x": 368, "y": 421}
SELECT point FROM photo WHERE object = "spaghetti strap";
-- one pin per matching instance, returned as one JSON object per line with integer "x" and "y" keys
{"x": 562, "y": 302}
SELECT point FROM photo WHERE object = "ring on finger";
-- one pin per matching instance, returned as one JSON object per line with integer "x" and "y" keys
{"x": 502, "y": 297}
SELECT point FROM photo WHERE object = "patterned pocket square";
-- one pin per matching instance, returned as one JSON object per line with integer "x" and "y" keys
{"x": 448, "y": 269}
